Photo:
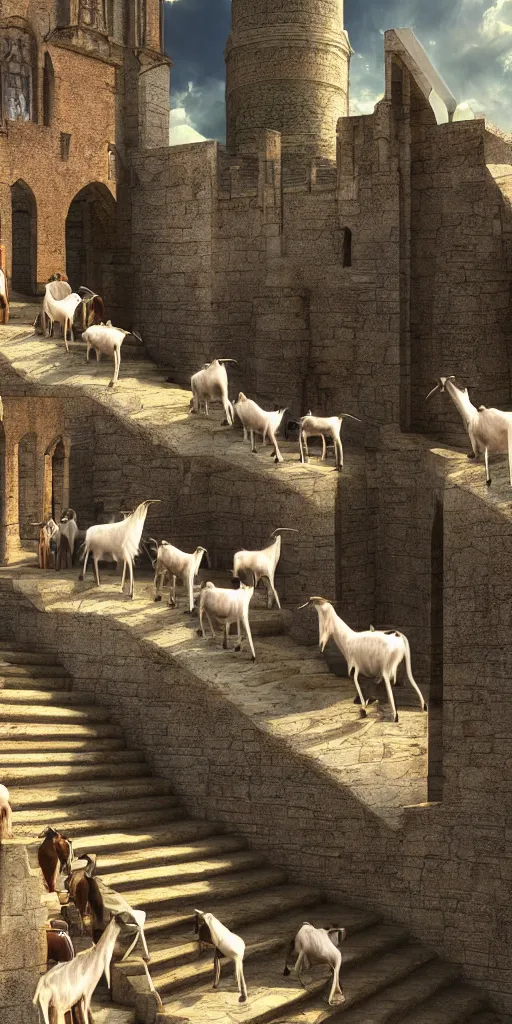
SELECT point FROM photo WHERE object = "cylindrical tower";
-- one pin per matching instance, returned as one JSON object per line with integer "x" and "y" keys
{"x": 287, "y": 65}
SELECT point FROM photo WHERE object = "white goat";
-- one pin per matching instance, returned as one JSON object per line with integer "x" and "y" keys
{"x": 106, "y": 340}
{"x": 61, "y": 310}
{"x": 116, "y": 541}
{"x": 256, "y": 420}
{"x": 323, "y": 426}
{"x": 211, "y": 932}
{"x": 319, "y": 946}
{"x": 226, "y": 606}
{"x": 4, "y": 298}
{"x": 209, "y": 384}
{"x": 5, "y": 814}
{"x": 373, "y": 652}
{"x": 173, "y": 562}
{"x": 56, "y": 290}
{"x": 489, "y": 430}
{"x": 262, "y": 564}
{"x": 74, "y": 982}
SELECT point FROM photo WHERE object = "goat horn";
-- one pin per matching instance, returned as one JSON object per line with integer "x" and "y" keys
{"x": 235, "y": 361}
{"x": 83, "y": 288}
{"x": 287, "y": 529}
{"x": 437, "y": 388}
{"x": 348, "y": 415}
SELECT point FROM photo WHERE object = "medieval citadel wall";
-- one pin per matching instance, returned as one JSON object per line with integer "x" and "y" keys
{"x": 443, "y": 869}
{"x": 461, "y": 264}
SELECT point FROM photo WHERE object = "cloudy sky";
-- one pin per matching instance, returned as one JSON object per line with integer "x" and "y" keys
{"x": 469, "y": 41}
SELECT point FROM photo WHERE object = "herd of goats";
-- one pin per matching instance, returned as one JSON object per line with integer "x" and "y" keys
{"x": 372, "y": 653}
{"x": 68, "y": 986}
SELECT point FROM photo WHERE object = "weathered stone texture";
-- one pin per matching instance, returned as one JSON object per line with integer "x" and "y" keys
{"x": 22, "y": 935}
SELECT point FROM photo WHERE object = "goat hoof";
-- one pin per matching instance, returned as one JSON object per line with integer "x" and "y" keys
{"x": 425, "y": 706}
{"x": 488, "y": 482}
{"x": 199, "y": 632}
{"x": 80, "y": 577}
{"x": 471, "y": 455}
{"x": 395, "y": 718}
{"x": 362, "y": 713}
{"x": 238, "y": 647}
{"x": 224, "y": 423}
{"x": 357, "y": 700}
{"x": 253, "y": 659}
{"x": 158, "y": 597}
{"x": 111, "y": 383}
{"x": 242, "y": 999}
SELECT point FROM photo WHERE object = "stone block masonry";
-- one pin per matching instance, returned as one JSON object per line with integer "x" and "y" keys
{"x": 22, "y": 935}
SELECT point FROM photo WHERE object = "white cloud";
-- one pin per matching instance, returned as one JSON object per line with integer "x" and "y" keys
{"x": 497, "y": 21}
{"x": 199, "y": 109}
{"x": 181, "y": 130}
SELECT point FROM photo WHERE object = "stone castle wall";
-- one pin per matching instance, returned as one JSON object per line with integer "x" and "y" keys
{"x": 441, "y": 869}
{"x": 248, "y": 255}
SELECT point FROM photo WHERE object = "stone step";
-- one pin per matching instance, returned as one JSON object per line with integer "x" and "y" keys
{"x": 260, "y": 938}
{"x": 105, "y": 761}
{"x": 47, "y": 748}
{"x": 32, "y": 670}
{"x": 195, "y": 893}
{"x": 45, "y": 698}
{"x": 97, "y": 792}
{"x": 11, "y": 656}
{"x": 61, "y": 715}
{"x": 453, "y": 1005}
{"x": 186, "y": 871}
{"x": 116, "y": 865}
{"x": 267, "y": 943}
{"x": 55, "y": 731}
{"x": 84, "y": 820}
{"x": 272, "y": 997}
{"x": 237, "y": 911}
{"x": 30, "y": 775}
{"x": 136, "y": 841}
{"x": 403, "y": 996}
{"x": 52, "y": 683}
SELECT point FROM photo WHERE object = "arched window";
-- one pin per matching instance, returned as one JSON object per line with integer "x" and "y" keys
{"x": 17, "y": 68}
{"x": 48, "y": 90}
{"x": 347, "y": 247}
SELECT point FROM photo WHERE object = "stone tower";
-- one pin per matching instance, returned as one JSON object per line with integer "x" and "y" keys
{"x": 287, "y": 65}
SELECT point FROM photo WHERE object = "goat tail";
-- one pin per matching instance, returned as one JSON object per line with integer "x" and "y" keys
{"x": 81, "y": 551}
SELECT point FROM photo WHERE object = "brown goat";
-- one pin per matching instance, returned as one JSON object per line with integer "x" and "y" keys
{"x": 85, "y": 893}
{"x": 55, "y": 852}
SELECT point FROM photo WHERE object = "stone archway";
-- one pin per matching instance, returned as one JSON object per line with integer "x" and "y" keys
{"x": 24, "y": 239}
{"x": 29, "y": 510}
{"x": 56, "y": 479}
{"x": 90, "y": 238}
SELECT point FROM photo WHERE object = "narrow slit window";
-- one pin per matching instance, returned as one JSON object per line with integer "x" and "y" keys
{"x": 347, "y": 247}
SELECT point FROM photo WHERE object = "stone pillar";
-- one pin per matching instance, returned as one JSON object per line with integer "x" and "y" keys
{"x": 4, "y": 310}
{"x": 287, "y": 69}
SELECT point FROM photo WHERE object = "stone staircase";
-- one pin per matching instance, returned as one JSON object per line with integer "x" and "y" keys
{"x": 66, "y": 764}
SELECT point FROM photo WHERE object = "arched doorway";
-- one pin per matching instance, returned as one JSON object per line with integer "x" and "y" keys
{"x": 29, "y": 510}
{"x": 90, "y": 238}
{"x": 55, "y": 479}
{"x": 24, "y": 239}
